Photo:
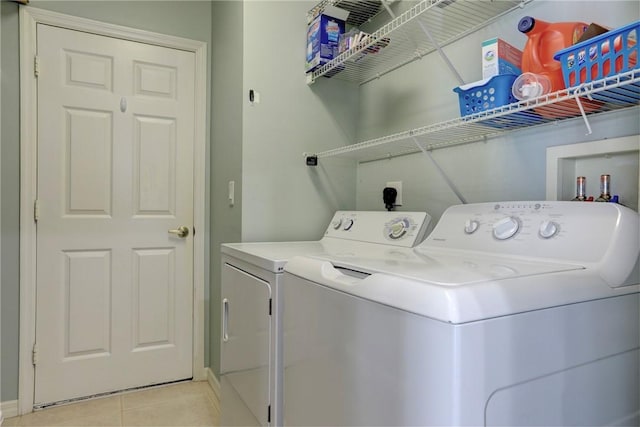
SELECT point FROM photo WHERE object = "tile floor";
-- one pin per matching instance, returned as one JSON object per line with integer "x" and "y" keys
{"x": 183, "y": 404}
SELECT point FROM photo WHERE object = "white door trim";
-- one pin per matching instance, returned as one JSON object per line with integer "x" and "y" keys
{"x": 29, "y": 18}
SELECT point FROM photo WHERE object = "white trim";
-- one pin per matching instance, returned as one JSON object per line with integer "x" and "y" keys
{"x": 9, "y": 409}
{"x": 29, "y": 18}
{"x": 213, "y": 382}
{"x": 606, "y": 147}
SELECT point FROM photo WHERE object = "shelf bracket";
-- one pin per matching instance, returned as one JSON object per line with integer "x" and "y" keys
{"x": 582, "y": 112}
{"x": 442, "y": 173}
{"x": 311, "y": 159}
{"x": 443, "y": 55}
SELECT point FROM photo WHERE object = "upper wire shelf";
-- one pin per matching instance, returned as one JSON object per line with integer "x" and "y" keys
{"x": 403, "y": 40}
{"x": 360, "y": 11}
{"x": 609, "y": 94}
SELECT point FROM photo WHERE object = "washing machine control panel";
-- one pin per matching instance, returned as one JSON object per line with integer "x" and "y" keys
{"x": 570, "y": 231}
{"x": 405, "y": 229}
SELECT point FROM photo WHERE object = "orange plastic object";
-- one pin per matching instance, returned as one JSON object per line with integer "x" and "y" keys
{"x": 544, "y": 40}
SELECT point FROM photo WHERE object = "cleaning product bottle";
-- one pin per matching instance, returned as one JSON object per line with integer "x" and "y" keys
{"x": 544, "y": 40}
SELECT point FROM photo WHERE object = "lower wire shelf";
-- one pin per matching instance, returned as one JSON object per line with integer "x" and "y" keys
{"x": 609, "y": 94}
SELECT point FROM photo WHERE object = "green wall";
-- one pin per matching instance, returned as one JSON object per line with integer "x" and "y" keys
{"x": 226, "y": 149}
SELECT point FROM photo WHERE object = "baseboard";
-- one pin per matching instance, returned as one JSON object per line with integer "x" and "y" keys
{"x": 9, "y": 409}
{"x": 213, "y": 382}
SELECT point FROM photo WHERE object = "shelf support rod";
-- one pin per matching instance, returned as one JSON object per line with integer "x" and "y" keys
{"x": 584, "y": 115}
{"x": 426, "y": 31}
{"x": 443, "y": 55}
{"x": 442, "y": 173}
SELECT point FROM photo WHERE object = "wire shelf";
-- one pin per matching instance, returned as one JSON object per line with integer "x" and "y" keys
{"x": 360, "y": 11}
{"x": 403, "y": 40}
{"x": 609, "y": 94}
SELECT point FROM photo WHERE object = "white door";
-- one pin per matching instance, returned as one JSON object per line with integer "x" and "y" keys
{"x": 115, "y": 174}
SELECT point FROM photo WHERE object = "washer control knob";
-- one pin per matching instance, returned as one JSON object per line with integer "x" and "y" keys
{"x": 336, "y": 223}
{"x": 548, "y": 229}
{"x": 506, "y": 228}
{"x": 348, "y": 223}
{"x": 470, "y": 226}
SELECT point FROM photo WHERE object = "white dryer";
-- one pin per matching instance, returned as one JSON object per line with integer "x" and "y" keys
{"x": 515, "y": 313}
{"x": 251, "y": 347}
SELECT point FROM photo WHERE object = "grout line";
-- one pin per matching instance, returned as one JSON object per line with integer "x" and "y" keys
{"x": 121, "y": 412}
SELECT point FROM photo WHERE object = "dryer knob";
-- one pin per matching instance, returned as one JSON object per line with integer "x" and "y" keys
{"x": 470, "y": 226}
{"x": 506, "y": 228}
{"x": 548, "y": 229}
{"x": 398, "y": 229}
{"x": 347, "y": 224}
{"x": 337, "y": 223}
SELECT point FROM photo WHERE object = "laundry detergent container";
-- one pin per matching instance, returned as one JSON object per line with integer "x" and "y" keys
{"x": 544, "y": 40}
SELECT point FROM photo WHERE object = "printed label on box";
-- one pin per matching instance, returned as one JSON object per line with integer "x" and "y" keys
{"x": 323, "y": 36}
{"x": 499, "y": 57}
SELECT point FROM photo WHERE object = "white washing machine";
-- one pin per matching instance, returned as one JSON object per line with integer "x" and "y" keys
{"x": 515, "y": 313}
{"x": 251, "y": 347}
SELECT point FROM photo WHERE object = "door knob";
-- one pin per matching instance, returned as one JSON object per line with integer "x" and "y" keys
{"x": 181, "y": 231}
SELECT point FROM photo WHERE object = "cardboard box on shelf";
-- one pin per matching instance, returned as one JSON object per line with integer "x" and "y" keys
{"x": 323, "y": 36}
{"x": 499, "y": 57}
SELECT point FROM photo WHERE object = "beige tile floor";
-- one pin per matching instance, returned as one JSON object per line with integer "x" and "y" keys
{"x": 183, "y": 404}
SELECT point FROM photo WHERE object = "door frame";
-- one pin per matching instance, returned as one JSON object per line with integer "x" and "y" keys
{"x": 29, "y": 18}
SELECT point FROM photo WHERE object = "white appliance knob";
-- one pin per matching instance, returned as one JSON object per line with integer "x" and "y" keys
{"x": 506, "y": 228}
{"x": 397, "y": 229}
{"x": 548, "y": 229}
{"x": 337, "y": 223}
{"x": 348, "y": 224}
{"x": 470, "y": 226}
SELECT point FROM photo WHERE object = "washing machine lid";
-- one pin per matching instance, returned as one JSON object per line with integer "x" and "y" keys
{"x": 439, "y": 267}
{"x": 452, "y": 288}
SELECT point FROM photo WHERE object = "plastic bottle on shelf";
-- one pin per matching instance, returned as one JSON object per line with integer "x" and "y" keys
{"x": 605, "y": 188}
{"x": 544, "y": 39}
{"x": 581, "y": 186}
{"x": 529, "y": 86}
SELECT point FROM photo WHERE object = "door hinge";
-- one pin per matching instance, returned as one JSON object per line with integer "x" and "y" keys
{"x": 36, "y": 210}
{"x": 269, "y": 413}
{"x": 36, "y": 66}
{"x": 270, "y": 305}
{"x": 34, "y": 354}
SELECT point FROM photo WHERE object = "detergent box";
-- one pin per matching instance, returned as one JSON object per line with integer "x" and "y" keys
{"x": 323, "y": 37}
{"x": 499, "y": 57}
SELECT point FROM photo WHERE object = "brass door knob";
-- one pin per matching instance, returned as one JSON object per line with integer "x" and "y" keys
{"x": 181, "y": 231}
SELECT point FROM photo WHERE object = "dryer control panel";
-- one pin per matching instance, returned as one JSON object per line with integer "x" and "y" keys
{"x": 602, "y": 235}
{"x": 405, "y": 229}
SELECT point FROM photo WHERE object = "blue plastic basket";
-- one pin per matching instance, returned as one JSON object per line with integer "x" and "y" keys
{"x": 492, "y": 93}
{"x": 603, "y": 56}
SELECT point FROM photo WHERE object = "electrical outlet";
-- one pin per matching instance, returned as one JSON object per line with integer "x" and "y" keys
{"x": 398, "y": 186}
